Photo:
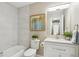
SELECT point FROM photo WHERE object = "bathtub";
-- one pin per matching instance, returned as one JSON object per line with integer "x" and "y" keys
{"x": 15, "y": 51}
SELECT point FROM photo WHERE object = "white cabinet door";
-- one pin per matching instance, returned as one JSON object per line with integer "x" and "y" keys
{"x": 50, "y": 52}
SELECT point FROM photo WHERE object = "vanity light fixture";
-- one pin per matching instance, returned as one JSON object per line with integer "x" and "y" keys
{"x": 58, "y": 7}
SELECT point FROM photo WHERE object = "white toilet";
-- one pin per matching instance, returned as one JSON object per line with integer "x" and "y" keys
{"x": 31, "y": 52}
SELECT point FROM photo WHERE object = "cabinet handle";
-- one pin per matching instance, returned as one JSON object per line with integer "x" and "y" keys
{"x": 59, "y": 49}
{"x": 59, "y": 55}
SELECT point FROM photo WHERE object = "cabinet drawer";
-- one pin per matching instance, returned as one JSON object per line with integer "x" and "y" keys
{"x": 61, "y": 49}
{"x": 55, "y": 49}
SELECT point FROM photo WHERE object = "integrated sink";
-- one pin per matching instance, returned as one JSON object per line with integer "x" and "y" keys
{"x": 58, "y": 40}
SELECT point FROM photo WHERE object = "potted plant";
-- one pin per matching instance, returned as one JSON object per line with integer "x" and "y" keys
{"x": 68, "y": 35}
{"x": 35, "y": 37}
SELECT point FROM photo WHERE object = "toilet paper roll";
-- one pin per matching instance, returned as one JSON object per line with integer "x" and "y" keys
{"x": 42, "y": 44}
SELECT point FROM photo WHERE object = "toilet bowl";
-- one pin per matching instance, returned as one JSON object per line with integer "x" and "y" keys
{"x": 30, "y": 53}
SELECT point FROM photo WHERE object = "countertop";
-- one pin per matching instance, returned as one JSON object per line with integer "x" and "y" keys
{"x": 58, "y": 40}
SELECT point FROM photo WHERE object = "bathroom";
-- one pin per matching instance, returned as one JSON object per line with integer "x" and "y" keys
{"x": 18, "y": 30}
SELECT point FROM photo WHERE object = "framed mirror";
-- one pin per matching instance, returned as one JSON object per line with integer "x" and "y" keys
{"x": 37, "y": 22}
{"x": 57, "y": 18}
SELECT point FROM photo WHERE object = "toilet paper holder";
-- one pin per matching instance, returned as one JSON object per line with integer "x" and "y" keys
{"x": 42, "y": 44}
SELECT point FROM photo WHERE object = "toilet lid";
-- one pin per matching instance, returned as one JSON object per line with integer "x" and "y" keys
{"x": 30, "y": 52}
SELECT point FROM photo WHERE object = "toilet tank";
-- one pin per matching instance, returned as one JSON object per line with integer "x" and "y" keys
{"x": 35, "y": 44}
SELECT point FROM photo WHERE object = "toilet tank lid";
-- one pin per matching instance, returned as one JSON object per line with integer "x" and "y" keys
{"x": 30, "y": 52}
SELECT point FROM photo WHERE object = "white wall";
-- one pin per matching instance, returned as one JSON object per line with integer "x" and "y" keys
{"x": 74, "y": 14}
{"x": 8, "y": 26}
{"x": 24, "y": 26}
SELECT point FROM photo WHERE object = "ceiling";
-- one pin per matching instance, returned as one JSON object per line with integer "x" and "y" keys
{"x": 20, "y": 4}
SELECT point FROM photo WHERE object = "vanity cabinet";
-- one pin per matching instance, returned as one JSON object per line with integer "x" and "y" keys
{"x": 55, "y": 49}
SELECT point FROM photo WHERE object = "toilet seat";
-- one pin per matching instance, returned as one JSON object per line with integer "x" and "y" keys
{"x": 30, "y": 52}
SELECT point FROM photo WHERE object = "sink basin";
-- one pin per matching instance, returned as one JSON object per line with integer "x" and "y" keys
{"x": 57, "y": 40}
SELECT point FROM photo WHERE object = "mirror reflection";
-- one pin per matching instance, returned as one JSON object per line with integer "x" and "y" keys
{"x": 57, "y": 19}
